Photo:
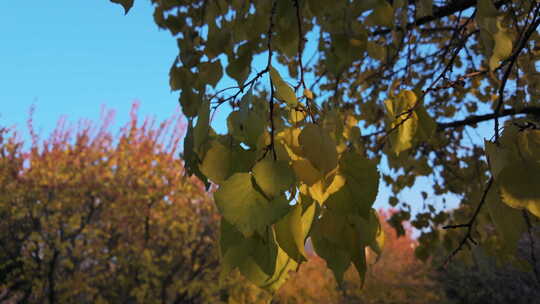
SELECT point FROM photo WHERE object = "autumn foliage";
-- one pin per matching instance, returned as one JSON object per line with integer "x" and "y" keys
{"x": 92, "y": 217}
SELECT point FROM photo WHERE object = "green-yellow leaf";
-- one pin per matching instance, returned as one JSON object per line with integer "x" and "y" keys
{"x": 283, "y": 91}
{"x": 376, "y": 51}
{"x": 246, "y": 126}
{"x": 217, "y": 163}
{"x": 426, "y": 125}
{"x": 200, "y": 133}
{"x": 305, "y": 171}
{"x": 289, "y": 137}
{"x": 283, "y": 265}
{"x": 322, "y": 189}
{"x": 498, "y": 157}
{"x": 328, "y": 237}
{"x": 308, "y": 215}
{"x": 502, "y": 49}
{"x": 273, "y": 177}
{"x": 296, "y": 116}
{"x": 220, "y": 161}
{"x": 382, "y": 15}
{"x": 508, "y": 221}
{"x": 403, "y": 122}
{"x": 518, "y": 186}
{"x": 528, "y": 144}
{"x": 290, "y": 234}
{"x": 234, "y": 247}
{"x": 245, "y": 207}
{"x": 318, "y": 147}
{"x": 362, "y": 179}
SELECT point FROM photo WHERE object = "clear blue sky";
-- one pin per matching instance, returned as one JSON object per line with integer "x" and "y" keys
{"x": 70, "y": 57}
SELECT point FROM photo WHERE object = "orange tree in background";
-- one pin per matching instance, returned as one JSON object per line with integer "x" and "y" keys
{"x": 402, "y": 83}
{"x": 88, "y": 217}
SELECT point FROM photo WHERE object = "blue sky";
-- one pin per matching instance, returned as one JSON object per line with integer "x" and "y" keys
{"x": 71, "y": 57}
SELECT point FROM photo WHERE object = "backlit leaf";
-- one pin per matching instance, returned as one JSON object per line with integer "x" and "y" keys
{"x": 404, "y": 120}
{"x": 283, "y": 91}
{"x": 290, "y": 234}
{"x": 217, "y": 163}
{"x": 245, "y": 207}
{"x": 518, "y": 185}
{"x": 273, "y": 177}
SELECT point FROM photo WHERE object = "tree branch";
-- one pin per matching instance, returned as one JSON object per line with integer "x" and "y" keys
{"x": 469, "y": 225}
{"x": 512, "y": 60}
{"x": 474, "y": 119}
{"x": 441, "y": 12}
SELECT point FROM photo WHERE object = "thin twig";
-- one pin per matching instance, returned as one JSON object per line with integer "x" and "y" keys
{"x": 269, "y": 64}
{"x": 469, "y": 225}
{"x": 512, "y": 60}
{"x": 300, "y": 46}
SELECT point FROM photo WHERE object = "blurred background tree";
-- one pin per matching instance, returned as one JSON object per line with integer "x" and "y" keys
{"x": 92, "y": 217}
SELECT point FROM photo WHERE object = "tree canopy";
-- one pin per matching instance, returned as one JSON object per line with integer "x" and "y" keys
{"x": 353, "y": 94}
{"x": 89, "y": 217}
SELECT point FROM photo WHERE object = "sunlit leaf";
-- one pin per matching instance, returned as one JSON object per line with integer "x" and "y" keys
{"x": 273, "y": 177}
{"x": 518, "y": 186}
{"x": 290, "y": 234}
{"x": 283, "y": 90}
{"x": 404, "y": 120}
{"x": 245, "y": 207}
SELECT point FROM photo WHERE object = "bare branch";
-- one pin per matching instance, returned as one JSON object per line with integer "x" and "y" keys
{"x": 469, "y": 225}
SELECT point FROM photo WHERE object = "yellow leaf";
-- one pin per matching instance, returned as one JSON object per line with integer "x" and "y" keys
{"x": 308, "y": 94}
{"x": 404, "y": 123}
{"x": 290, "y": 234}
{"x": 305, "y": 171}
{"x": 518, "y": 185}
